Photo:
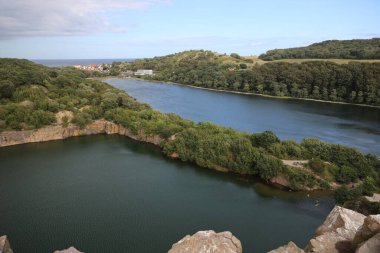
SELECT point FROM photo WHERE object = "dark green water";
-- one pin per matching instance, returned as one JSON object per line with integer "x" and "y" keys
{"x": 112, "y": 194}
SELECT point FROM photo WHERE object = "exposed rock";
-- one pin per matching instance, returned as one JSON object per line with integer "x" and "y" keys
{"x": 375, "y": 197}
{"x": 370, "y": 246}
{"x": 174, "y": 155}
{"x": 5, "y": 246}
{"x": 69, "y": 250}
{"x": 49, "y": 133}
{"x": 280, "y": 180}
{"x": 61, "y": 114}
{"x": 290, "y": 248}
{"x": 296, "y": 163}
{"x": 208, "y": 242}
{"x": 370, "y": 227}
{"x": 337, "y": 232}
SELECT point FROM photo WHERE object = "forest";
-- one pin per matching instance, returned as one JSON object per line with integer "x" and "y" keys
{"x": 31, "y": 94}
{"x": 330, "y": 49}
{"x": 322, "y": 80}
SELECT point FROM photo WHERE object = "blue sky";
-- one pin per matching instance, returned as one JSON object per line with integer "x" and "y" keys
{"x": 83, "y": 29}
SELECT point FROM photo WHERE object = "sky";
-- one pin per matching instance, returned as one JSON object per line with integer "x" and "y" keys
{"x": 96, "y": 29}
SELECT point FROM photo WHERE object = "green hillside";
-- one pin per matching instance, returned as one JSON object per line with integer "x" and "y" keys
{"x": 355, "y": 82}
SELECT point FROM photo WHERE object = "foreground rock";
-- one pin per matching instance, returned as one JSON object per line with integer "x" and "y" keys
{"x": 69, "y": 250}
{"x": 208, "y": 242}
{"x": 343, "y": 231}
{"x": 5, "y": 247}
{"x": 370, "y": 227}
{"x": 371, "y": 245}
{"x": 337, "y": 233}
{"x": 290, "y": 248}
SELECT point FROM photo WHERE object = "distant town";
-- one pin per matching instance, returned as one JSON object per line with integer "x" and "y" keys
{"x": 105, "y": 69}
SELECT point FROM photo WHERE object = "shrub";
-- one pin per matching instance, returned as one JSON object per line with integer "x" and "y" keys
{"x": 81, "y": 119}
{"x": 317, "y": 165}
{"x": 264, "y": 139}
{"x": 346, "y": 174}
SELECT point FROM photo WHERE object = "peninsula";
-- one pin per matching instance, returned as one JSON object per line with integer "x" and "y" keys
{"x": 41, "y": 104}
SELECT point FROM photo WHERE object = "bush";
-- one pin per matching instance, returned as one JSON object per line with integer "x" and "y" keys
{"x": 264, "y": 139}
{"x": 369, "y": 186}
{"x": 41, "y": 118}
{"x": 235, "y": 55}
{"x": 317, "y": 165}
{"x": 65, "y": 121}
{"x": 81, "y": 119}
{"x": 346, "y": 175}
{"x": 6, "y": 89}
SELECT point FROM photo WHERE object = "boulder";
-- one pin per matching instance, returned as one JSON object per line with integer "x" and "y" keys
{"x": 208, "y": 242}
{"x": 336, "y": 234}
{"x": 290, "y": 248}
{"x": 5, "y": 247}
{"x": 69, "y": 250}
{"x": 370, "y": 227}
{"x": 372, "y": 245}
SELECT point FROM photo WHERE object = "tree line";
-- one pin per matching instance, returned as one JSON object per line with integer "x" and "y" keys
{"x": 330, "y": 49}
{"x": 353, "y": 82}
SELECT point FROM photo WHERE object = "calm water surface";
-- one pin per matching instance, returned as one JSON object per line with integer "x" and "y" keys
{"x": 111, "y": 194}
{"x": 354, "y": 126}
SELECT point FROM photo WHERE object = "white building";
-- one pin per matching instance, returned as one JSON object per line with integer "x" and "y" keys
{"x": 143, "y": 72}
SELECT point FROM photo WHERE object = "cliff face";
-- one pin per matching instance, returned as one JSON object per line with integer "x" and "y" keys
{"x": 50, "y": 133}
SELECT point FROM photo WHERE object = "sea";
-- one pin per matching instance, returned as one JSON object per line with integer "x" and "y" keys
{"x": 72, "y": 62}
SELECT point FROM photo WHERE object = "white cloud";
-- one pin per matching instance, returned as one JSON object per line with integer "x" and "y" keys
{"x": 62, "y": 17}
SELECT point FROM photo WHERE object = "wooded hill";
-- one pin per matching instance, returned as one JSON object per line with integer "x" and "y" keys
{"x": 355, "y": 82}
{"x": 330, "y": 49}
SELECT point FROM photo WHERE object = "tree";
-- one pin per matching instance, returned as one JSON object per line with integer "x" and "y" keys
{"x": 6, "y": 89}
{"x": 264, "y": 139}
{"x": 235, "y": 55}
{"x": 243, "y": 66}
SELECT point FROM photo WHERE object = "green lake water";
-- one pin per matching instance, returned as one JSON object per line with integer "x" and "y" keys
{"x": 111, "y": 194}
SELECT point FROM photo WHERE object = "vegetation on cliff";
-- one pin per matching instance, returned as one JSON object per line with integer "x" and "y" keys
{"x": 330, "y": 49}
{"x": 29, "y": 103}
{"x": 355, "y": 82}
